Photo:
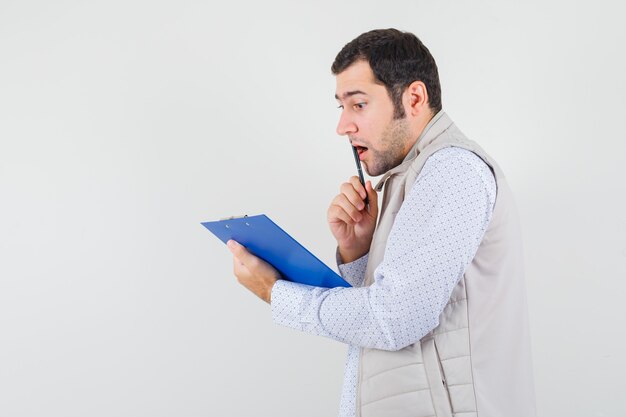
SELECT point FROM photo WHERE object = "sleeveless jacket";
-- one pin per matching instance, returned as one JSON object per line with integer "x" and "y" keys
{"x": 476, "y": 362}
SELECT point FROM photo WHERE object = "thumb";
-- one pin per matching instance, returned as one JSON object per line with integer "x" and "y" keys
{"x": 372, "y": 196}
{"x": 239, "y": 251}
{"x": 248, "y": 259}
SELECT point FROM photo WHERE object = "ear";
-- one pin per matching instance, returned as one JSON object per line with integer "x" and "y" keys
{"x": 416, "y": 98}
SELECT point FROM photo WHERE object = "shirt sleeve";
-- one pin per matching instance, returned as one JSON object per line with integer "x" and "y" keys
{"x": 434, "y": 237}
{"x": 353, "y": 272}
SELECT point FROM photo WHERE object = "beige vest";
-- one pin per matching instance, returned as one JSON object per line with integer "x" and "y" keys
{"x": 476, "y": 362}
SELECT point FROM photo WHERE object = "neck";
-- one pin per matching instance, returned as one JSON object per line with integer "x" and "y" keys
{"x": 417, "y": 127}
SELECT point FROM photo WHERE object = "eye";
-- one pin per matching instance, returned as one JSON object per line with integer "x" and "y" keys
{"x": 340, "y": 106}
{"x": 359, "y": 106}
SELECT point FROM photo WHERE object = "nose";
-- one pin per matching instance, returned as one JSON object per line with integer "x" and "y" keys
{"x": 346, "y": 126}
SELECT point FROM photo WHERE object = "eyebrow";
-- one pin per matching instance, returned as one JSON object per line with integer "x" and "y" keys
{"x": 349, "y": 94}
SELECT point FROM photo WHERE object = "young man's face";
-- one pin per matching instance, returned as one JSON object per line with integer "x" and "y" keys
{"x": 367, "y": 119}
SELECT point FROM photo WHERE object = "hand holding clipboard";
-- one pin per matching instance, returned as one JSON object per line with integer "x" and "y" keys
{"x": 265, "y": 239}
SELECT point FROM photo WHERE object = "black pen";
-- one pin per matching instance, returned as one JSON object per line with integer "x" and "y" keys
{"x": 360, "y": 171}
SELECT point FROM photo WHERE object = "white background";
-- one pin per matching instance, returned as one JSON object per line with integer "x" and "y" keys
{"x": 124, "y": 124}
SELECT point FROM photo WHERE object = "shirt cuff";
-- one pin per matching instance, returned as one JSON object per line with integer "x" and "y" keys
{"x": 353, "y": 272}
{"x": 287, "y": 301}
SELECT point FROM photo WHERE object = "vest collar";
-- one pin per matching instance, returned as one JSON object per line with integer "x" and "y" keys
{"x": 437, "y": 125}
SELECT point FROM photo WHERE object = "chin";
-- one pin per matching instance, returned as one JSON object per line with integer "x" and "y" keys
{"x": 373, "y": 172}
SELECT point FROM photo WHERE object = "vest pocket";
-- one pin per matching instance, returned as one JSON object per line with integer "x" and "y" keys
{"x": 444, "y": 381}
{"x": 434, "y": 373}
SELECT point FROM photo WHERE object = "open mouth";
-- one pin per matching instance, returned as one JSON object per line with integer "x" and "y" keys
{"x": 361, "y": 150}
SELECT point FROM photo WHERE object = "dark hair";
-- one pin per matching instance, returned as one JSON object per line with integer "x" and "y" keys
{"x": 397, "y": 59}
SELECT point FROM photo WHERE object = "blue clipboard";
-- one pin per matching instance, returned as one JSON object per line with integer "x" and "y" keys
{"x": 268, "y": 241}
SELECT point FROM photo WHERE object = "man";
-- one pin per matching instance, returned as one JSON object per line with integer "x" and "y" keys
{"x": 436, "y": 319}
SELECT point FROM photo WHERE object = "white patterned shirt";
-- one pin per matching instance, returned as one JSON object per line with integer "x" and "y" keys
{"x": 434, "y": 237}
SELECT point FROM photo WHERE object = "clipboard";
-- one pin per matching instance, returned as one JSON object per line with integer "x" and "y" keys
{"x": 265, "y": 239}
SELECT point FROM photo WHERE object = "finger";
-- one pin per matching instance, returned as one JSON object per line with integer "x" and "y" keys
{"x": 338, "y": 214}
{"x": 360, "y": 189}
{"x": 353, "y": 195}
{"x": 354, "y": 213}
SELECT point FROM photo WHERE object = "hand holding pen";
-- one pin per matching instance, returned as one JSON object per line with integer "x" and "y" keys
{"x": 352, "y": 217}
